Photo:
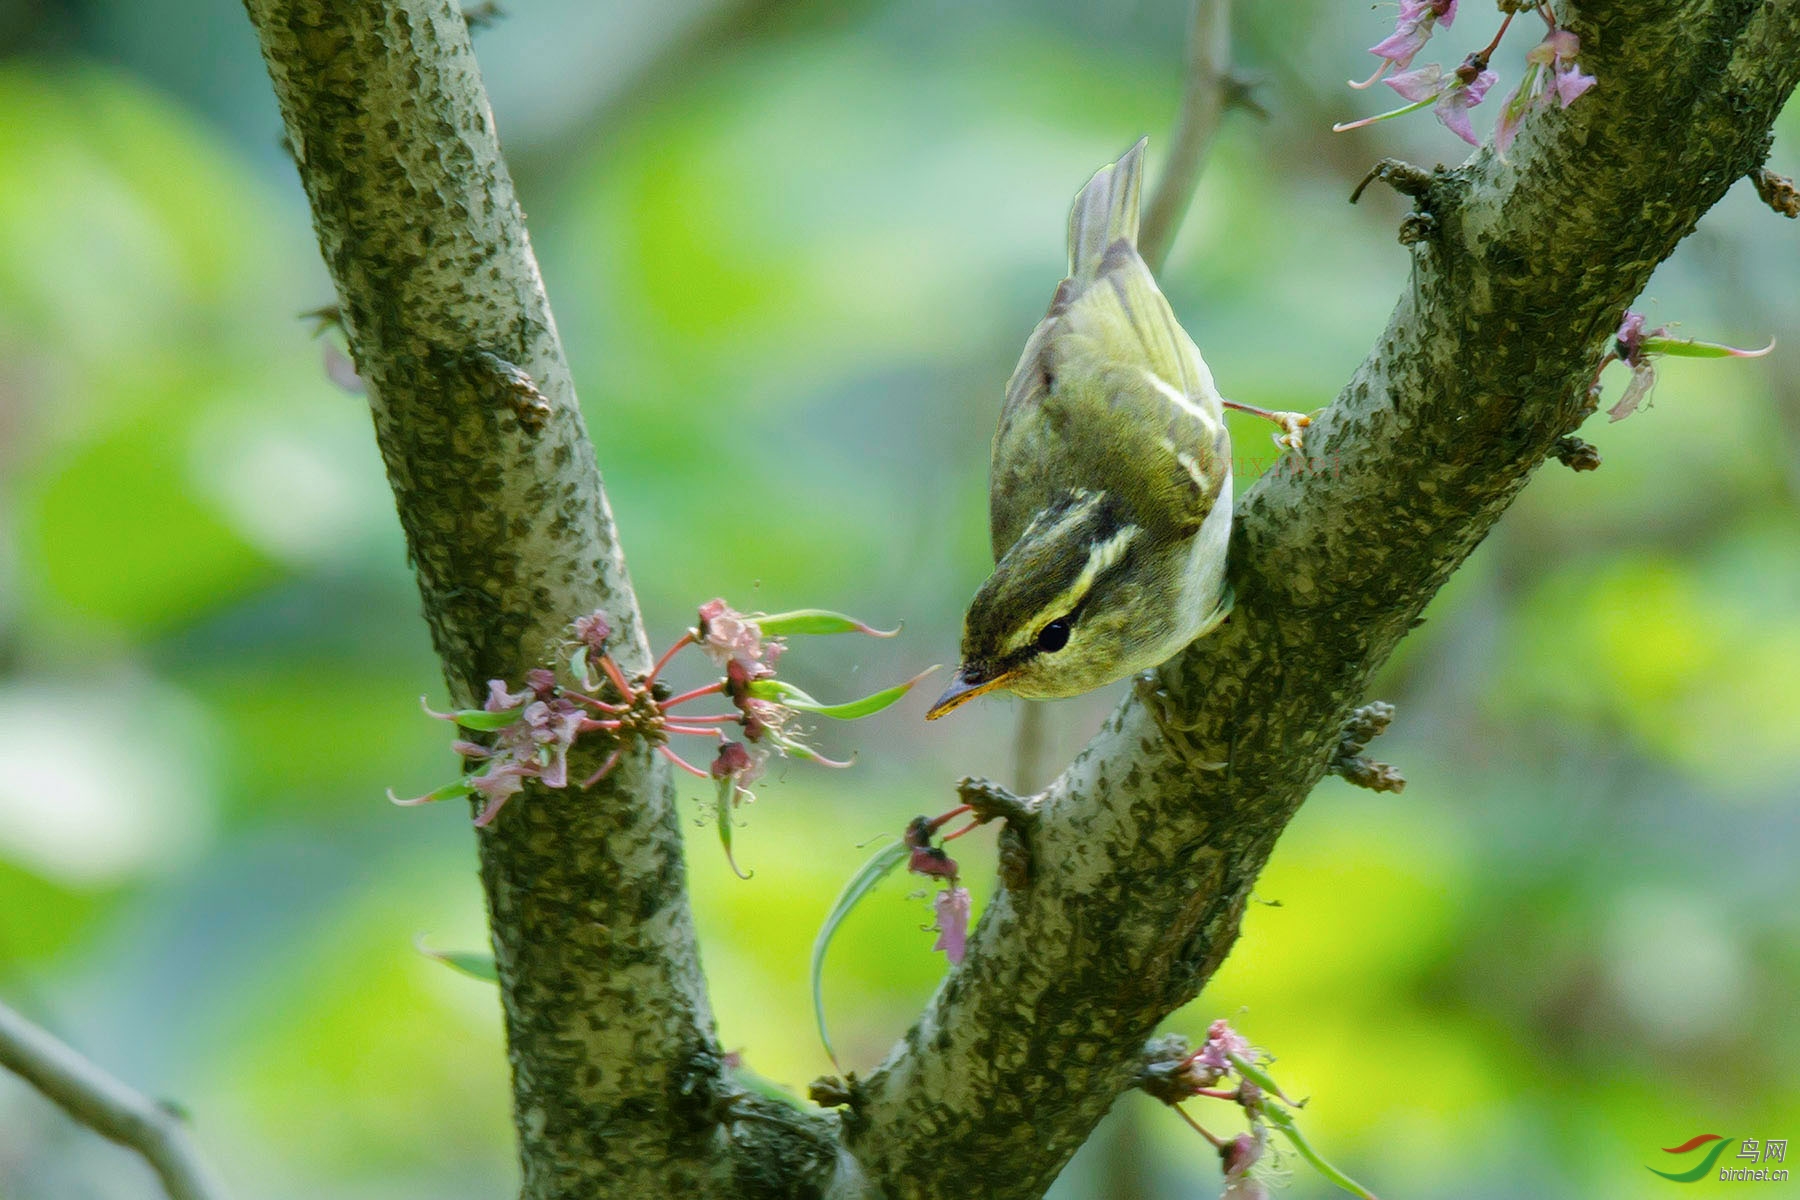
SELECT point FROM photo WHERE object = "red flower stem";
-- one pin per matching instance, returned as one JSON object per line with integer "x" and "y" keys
{"x": 617, "y": 676}
{"x": 1218, "y": 1143}
{"x": 588, "y": 724}
{"x": 681, "y": 762}
{"x": 1543, "y": 10}
{"x": 672, "y": 727}
{"x": 687, "y": 639}
{"x": 1216, "y": 1094}
{"x": 723, "y": 719}
{"x": 975, "y": 824}
{"x": 612, "y": 760}
{"x": 939, "y": 822}
{"x": 1495, "y": 44}
{"x": 711, "y": 689}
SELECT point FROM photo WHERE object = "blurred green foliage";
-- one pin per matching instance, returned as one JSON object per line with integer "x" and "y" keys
{"x": 793, "y": 254}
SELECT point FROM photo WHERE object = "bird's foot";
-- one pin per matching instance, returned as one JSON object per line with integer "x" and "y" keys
{"x": 1291, "y": 423}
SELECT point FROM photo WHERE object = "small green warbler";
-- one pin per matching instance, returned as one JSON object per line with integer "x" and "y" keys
{"x": 1110, "y": 481}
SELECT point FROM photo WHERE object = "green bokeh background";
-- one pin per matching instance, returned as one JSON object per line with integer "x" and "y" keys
{"x": 793, "y": 251}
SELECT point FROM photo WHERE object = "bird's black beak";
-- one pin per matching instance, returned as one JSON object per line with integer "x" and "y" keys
{"x": 968, "y": 683}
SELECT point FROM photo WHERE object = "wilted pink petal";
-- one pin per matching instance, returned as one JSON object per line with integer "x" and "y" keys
{"x": 1245, "y": 1187}
{"x": 471, "y": 749}
{"x": 952, "y": 906}
{"x": 1452, "y": 107}
{"x": 341, "y": 371}
{"x": 1571, "y": 84}
{"x": 1240, "y": 1154}
{"x": 931, "y": 861}
{"x": 499, "y": 784}
{"x": 1400, "y": 46}
{"x": 500, "y": 700}
{"x": 1512, "y": 114}
{"x": 1628, "y": 343}
{"x": 1222, "y": 1041}
{"x": 1643, "y": 378}
{"x": 1421, "y": 85}
{"x": 592, "y": 631}
{"x": 1559, "y": 45}
{"x": 733, "y": 759}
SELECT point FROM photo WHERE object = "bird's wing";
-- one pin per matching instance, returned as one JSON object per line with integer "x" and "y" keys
{"x": 1110, "y": 395}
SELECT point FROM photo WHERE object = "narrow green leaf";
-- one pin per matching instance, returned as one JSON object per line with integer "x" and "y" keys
{"x": 449, "y": 791}
{"x": 470, "y": 962}
{"x": 481, "y": 718}
{"x": 802, "y": 751}
{"x": 816, "y": 620}
{"x": 778, "y": 690}
{"x": 1686, "y": 348}
{"x": 578, "y": 667}
{"x": 860, "y": 885}
{"x": 850, "y": 710}
{"x": 727, "y": 791}
{"x": 1281, "y": 1119}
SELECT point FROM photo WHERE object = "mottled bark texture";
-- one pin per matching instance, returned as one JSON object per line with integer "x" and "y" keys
{"x": 610, "y": 1034}
{"x": 1143, "y": 856}
{"x": 1125, "y": 892}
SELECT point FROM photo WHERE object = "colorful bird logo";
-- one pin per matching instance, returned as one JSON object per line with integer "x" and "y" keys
{"x": 1705, "y": 1165}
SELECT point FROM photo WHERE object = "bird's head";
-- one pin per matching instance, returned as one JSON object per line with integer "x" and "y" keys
{"x": 1065, "y": 610}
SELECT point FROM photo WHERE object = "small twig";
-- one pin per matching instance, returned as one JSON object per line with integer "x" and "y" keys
{"x": 107, "y": 1106}
{"x": 989, "y": 801}
{"x": 1403, "y": 177}
{"x": 1364, "y": 726}
{"x": 522, "y": 395}
{"x": 1208, "y": 90}
{"x": 1576, "y": 454}
{"x": 1777, "y": 191}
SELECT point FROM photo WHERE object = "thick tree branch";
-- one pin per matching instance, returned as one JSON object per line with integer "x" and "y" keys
{"x": 1143, "y": 855}
{"x": 618, "y": 1083}
{"x": 107, "y": 1106}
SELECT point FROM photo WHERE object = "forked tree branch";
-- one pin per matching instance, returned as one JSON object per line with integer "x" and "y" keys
{"x": 1143, "y": 853}
{"x": 107, "y": 1106}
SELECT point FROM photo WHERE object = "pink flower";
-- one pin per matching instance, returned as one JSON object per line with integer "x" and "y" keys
{"x": 1411, "y": 32}
{"x": 1237, "y": 1157}
{"x": 728, "y": 636}
{"x": 1451, "y": 94}
{"x": 544, "y": 736}
{"x": 1222, "y": 1041}
{"x": 499, "y": 783}
{"x": 501, "y": 700}
{"x": 952, "y": 905}
{"x": 1639, "y": 349}
{"x": 592, "y": 631}
{"x": 1550, "y": 70}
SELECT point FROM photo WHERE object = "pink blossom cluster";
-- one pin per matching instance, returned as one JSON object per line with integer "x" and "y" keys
{"x": 1551, "y": 73}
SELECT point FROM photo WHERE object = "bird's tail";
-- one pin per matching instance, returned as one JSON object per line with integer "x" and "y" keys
{"x": 1105, "y": 211}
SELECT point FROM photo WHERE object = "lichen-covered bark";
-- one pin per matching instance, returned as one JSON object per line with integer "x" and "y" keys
{"x": 611, "y": 1039}
{"x": 1144, "y": 855}
{"x": 1125, "y": 893}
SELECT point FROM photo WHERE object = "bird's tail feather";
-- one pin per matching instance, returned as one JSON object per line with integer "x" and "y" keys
{"x": 1105, "y": 211}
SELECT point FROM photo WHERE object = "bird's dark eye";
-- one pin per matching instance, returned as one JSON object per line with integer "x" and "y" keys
{"x": 1054, "y": 636}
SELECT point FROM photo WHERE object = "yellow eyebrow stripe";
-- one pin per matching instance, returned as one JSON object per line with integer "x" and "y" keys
{"x": 1101, "y": 557}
